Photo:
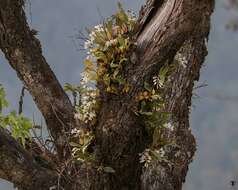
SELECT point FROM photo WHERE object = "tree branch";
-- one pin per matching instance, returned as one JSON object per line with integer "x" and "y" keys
{"x": 170, "y": 31}
{"x": 23, "y": 51}
{"x": 178, "y": 94}
{"x": 18, "y": 167}
{"x": 167, "y": 26}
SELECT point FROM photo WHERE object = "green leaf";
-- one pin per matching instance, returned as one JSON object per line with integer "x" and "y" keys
{"x": 19, "y": 125}
{"x": 68, "y": 87}
{"x": 164, "y": 70}
{"x": 147, "y": 86}
{"x": 120, "y": 80}
{"x": 156, "y": 137}
{"x": 146, "y": 113}
{"x": 123, "y": 60}
{"x": 121, "y": 15}
{"x": 143, "y": 105}
{"x": 87, "y": 143}
{"x": 113, "y": 65}
{"x": 106, "y": 79}
{"x": 3, "y": 101}
{"x": 73, "y": 144}
{"x": 109, "y": 170}
{"x": 109, "y": 25}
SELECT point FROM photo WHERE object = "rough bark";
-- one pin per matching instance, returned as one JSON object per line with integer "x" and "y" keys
{"x": 171, "y": 176}
{"x": 23, "y": 51}
{"x": 19, "y": 167}
{"x": 176, "y": 30}
{"x": 165, "y": 27}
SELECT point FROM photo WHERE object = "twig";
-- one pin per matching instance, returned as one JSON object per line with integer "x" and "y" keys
{"x": 21, "y": 100}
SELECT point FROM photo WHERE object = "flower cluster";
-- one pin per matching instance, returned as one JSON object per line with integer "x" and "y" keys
{"x": 181, "y": 59}
{"x": 161, "y": 152}
{"x": 149, "y": 155}
{"x": 89, "y": 44}
{"x": 169, "y": 126}
{"x": 145, "y": 158}
{"x": 157, "y": 82}
{"x": 86, "y": 111}
{"x": 108, "y": 47}
{"x": 75, "y": 132}
{"x": 79, "y": 151}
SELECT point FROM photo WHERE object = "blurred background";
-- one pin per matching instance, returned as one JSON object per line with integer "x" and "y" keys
{"x": 214, "y": 117}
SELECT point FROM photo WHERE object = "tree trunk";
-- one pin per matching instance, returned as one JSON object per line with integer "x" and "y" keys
{"x": 166, "y": 28}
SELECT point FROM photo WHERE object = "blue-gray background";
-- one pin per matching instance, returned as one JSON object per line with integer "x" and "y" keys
{"x": 214, "y": 117}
